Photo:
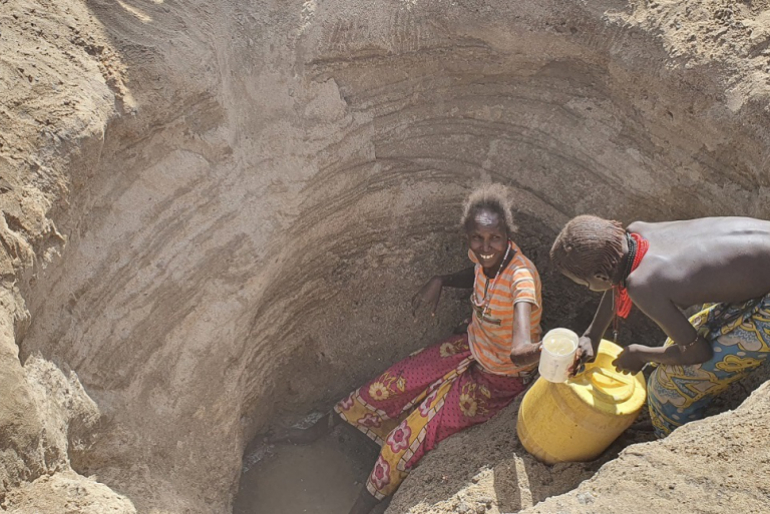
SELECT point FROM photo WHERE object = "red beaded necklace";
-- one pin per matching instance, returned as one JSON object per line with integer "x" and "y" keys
{"x": 636, "y": 253}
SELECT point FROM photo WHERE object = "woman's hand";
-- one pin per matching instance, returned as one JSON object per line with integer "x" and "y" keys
{"x": 462, "y": 327}
{"x": 585, "y": 353}
{"x": 526, "y": 354}
{"x": 429, "y": 294}
{"x": 630, "y": 361}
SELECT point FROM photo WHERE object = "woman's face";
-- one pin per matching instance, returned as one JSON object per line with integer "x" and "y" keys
{"x": 598, "y": 283}
{"x": 488, "y": 239}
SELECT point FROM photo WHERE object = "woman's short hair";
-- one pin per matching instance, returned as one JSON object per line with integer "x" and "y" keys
{"x": 588, "y": 245}
{"x": 494, "y": 198}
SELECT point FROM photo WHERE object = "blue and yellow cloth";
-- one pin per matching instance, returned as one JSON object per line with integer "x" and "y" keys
{"x": 740, "y": 336}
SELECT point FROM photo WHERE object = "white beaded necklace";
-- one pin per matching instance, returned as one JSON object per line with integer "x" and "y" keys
{"x": 488, "y": 289}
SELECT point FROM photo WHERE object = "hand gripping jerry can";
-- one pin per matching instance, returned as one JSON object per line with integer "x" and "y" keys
{"x": 579, "y": 419}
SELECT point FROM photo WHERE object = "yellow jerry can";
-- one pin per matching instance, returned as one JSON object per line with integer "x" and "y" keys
{"x": 579, "y": 419}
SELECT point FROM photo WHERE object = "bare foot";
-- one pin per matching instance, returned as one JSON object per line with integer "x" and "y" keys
{"x": 364, "y": 503}
{"x": 304, "y": 435}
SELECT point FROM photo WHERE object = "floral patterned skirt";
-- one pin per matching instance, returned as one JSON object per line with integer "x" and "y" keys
{"x": 740, "y": 337}
{"x": 421, "y": 400}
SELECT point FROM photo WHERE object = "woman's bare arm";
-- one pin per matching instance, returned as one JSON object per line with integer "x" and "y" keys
{"x": 430, "y": 293}
{"x": 523, "y": 350}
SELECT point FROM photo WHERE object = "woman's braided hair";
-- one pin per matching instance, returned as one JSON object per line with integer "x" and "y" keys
{"x": 588, "y": 245}
{"x": 494, "y": 198}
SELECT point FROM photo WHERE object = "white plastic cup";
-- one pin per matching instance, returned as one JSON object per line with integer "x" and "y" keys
{"x": 558, "y": 354}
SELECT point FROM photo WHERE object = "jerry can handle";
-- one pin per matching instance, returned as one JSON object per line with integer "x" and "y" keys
{"x": 601, "y": 387}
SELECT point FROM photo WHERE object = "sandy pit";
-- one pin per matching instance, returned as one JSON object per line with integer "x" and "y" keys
{"x": 213, "y": 218}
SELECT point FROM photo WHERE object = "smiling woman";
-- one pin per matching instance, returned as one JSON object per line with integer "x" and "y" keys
{"x": 488, "y": 223}
{"x": 463, "y": 380}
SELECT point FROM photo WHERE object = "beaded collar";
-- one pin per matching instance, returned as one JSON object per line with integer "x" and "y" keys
{"x": 637, "y": 248}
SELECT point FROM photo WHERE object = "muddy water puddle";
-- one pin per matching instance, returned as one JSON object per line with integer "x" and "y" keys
{"x": 323, "y": 477}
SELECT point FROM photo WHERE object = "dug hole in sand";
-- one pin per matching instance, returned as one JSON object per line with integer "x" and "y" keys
{"x": 214, "y": 216}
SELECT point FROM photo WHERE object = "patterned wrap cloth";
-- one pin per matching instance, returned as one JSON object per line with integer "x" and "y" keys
{"x": 420, "y": 401}
{"x": 740, "y": 336}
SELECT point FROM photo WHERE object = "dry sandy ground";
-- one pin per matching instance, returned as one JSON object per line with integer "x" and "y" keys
{"x": 213, "y": 217}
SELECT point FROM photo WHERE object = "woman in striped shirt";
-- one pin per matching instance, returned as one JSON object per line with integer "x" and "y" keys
{"x": 461, "y": 381}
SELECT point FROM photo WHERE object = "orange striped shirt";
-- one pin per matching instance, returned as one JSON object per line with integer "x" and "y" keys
{"x": 491, "y": 338}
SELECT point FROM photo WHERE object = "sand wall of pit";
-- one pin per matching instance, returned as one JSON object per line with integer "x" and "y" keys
{"x": 215, "y": 216}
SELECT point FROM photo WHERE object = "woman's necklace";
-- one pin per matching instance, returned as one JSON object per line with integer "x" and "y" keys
{"x": 488, "y": 289}
{"x": 637, "y": 248}
{"x": 621, "y": 302}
